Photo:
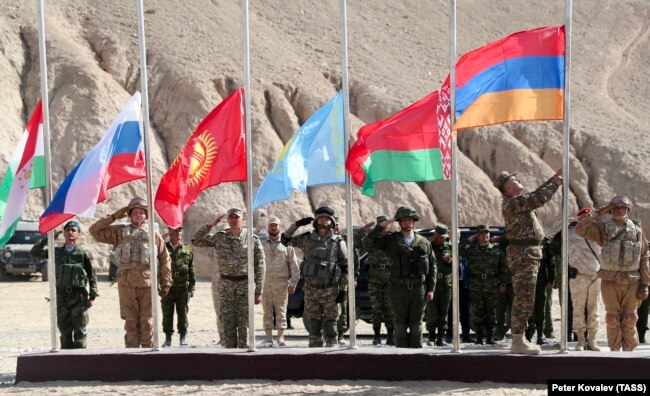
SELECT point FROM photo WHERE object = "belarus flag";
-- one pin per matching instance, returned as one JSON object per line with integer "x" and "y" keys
{"x": 117, "y": 159}
{"x": 26, "y": 170}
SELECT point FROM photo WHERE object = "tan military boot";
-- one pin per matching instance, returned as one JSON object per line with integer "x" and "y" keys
{"x": 581, "y": 341}
{"x": 591, "y": 342}
{"x": 268, "y": 338}
{"x": 520, "y": 346}
{"x": 281, "y": 341}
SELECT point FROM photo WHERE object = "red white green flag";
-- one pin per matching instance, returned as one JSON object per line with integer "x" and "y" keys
{"x": 410, "y": 146}
{"x": 26, "y": 171}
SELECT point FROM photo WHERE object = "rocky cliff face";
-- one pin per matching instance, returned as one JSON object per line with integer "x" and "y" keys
{"x": 398, "y": 54}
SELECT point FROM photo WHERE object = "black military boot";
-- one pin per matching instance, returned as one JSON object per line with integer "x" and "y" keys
{"x": 642, "y": 336}
{"x": 489, "y": 339}
{"x": 377, "y": 329}
{"x": 440, "y": 338}
{"x": 479, "y": 336}
{"x": 530, "y": 331}
{"x": 540, "y": 338}
{"x": 168, "y": 341}
{"x": 432, "y": 338}
{"x": 390, "y": 340}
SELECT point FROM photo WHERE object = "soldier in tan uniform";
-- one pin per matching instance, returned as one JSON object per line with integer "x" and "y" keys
{"x": 134, "y": 274}
{"x": 282, "y": 275}
{"x": 232, "y": 253}
{"x": 525, "y": 236}
{"x": 623, "y": 271}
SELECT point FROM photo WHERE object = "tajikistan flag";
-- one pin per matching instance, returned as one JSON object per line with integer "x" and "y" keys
{"x": 26, "y": 170}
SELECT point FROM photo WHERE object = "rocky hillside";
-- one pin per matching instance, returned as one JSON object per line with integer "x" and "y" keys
{"x": 398, "y": 53}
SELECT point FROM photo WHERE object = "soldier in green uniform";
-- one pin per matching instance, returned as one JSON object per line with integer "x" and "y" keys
{"x": 378, "y": 284}
{"x": 231, "y": 247}
{"x": 525, "y": 234}
{"x": 182, "y": 289}
{"x": 325, "y": 270}
{"x": 545, "y": 279}
{"x": 487, "y": 275}
{"x": 412, "y": 274}
{"x": 74, "y": 272}
{"x": 436, "y": 313}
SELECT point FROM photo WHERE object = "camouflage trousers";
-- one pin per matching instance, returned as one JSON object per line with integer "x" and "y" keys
{"x": 342, "y": 324}
{"x": 524, "y": 279}
{"x": 484, "y": 305}
{"x": 176, "y": 298}
{"x": 216, "y": 300}
{"x": 437, "y": 309}
{"x": 135, "y": 309}
{"x": 72, "y": 317}
{"x": 585, "y": 296}
{"x": 234, "y": 312}
{"x": 408, "y": 310}
{"x": 620, "y": 303}
{"x": 380, "y": 301}
{"x": 322, "y": 312}
{"x": 274, "y": 300}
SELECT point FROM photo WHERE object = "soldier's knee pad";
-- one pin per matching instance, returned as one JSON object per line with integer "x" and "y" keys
{"x": 330, "y": 329}
{"x": 611, "y": 320}
{"x": 146, "y": 325}
{"x": 630, "y": 319}
{"x": 130, "y": 324}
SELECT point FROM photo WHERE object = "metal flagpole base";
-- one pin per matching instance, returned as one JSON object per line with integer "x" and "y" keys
{"x": 352, "y": 347}
{"x": 456, "y": 350}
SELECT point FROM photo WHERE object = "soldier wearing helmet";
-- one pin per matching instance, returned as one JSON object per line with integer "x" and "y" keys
{"x": 412, "y": 274}
{"x": 325, "y": 270}
{"x": 525, "y": 235}
{"x": 623, "y": 271}
{"x": 131, "y": 243}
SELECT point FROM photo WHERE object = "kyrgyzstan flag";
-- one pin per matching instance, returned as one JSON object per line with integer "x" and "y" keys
{"x": 215, "y": 153}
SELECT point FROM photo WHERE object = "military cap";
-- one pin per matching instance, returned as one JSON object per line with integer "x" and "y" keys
{"x": 382, "y": 218}
{"x": 71, "y": 224}
{"x": 442, "y": 230}
{"x": 138, "y": 202}
{"x": 235, "y": 211}
{"x": 482, "y": 227}
{"x": 274, "y": 220}
{"x": 405, "y": 211}
{"x": 502, "y": 179}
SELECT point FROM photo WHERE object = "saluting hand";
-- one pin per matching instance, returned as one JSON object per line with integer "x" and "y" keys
{"x": 369, "y": 225}
{"x": 56, "y": 234}
{"x": 121, "y": 213}
{"x": 217, "y": 220}
{"x": 385, "y": 224}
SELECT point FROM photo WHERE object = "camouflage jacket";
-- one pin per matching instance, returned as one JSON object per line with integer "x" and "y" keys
{"x": 182, "y": 265}
{"x": 523, "y": 229}
{"x": 445, "y": 248}
{"x": 78, "y": 255}
{"x": 407, "y": 262}
{"x": 487, "y": 265}
{"x": 378, "y": 261}
{"x": 281, "y": 262}
{"x": 232, "y": 253}
{"x": 103, "y": 231}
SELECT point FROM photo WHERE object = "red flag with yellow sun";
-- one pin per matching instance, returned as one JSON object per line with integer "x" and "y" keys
{"x": 215, "y": 153}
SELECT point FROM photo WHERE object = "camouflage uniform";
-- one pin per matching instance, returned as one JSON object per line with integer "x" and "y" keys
{"x": 183, "y": 282}
{"x": 487, "y": 273}
{"x": 232, "y": 254}
{"x": 525, "y": 234}
{"x": 545, "y": 277}
{"x": 134, "y": 275}
{"x": 412, "y": 274}
{"x": 281, "y": 272}
{"x": 328, "y": 253}
{"x": 73, "y": 271}
{"x": 437, "y": 309}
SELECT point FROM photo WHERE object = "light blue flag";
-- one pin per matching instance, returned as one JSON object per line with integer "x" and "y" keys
{"x": 313, "y": 156}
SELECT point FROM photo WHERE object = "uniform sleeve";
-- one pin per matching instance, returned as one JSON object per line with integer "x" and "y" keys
{"x": 433, "y": 271}
{"x": 259, "y": 263}
{"x": 202, "y": 238}
{"x": 532, "y": 200}
{"x": 288, "y": 239}
{"x": 375, "y": 240}
{"x": 38, "y": 250}
{"x": 92, "y": 276}
{"x": 592, "y": 229}
{"x": 103, "y": 232}
{"x": 292, "y": 264}
{"x": 191, "y": 273}
{"x": 164, "y": 263}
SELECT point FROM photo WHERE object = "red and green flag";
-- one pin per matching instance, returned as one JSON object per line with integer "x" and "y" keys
{"x": 410, "y": 146}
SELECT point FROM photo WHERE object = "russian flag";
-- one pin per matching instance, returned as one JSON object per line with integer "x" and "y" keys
{"x": 517, "y": 78}
{"x": 117, "y": 159}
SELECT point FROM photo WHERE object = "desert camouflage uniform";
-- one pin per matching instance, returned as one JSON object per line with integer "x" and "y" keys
{"x": 487, "y": 272}
{"x": 437, "y": 309}
{"x": 71, "y": 294}
{"x": 413, "y": 274}
{"x": 134, "y": 275}
{"x": 281, "y": 272}
{"x": 183, "y": 282}
{"x": 321, "y": 308}
{"x": 232, "y": 254}
{"x": 525, "y": 234}
{"x": 378, "y": 286}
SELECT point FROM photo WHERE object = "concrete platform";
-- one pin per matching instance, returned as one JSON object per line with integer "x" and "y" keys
{"x": 365, "y": 363}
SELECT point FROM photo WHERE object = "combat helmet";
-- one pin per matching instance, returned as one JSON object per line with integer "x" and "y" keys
{"x": 324, "y": 211}
{"x": 621, "y": 200}
{"x": 138, "y": 202}
{"x": 406, "y": 211}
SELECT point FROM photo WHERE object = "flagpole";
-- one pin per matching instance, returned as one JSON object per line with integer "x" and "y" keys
{"x": 51, "y": 273}
{"x": 454, "y": 176}
{"x": 147, "y": 156}
{"x": 249, "y": 178}
{"x": 348, "y": 182}
{"x": 566, "y": 141}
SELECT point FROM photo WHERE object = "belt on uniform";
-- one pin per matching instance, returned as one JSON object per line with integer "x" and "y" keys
{"x": 236, "y": 278}
{"x": 525, "y": 242}
{"x": 69, "y": 289}
{"x": 177, "y": 274}
{"x": 320, "y": 286}
{"x": 380, "y": 266}
{"x": 406, "y": 283}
